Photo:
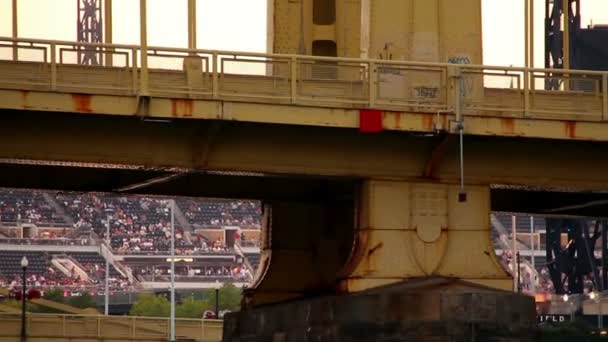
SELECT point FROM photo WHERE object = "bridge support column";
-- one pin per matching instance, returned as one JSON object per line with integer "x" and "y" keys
{"x": 412, "y": 230}
{"x": 421, "y": 268}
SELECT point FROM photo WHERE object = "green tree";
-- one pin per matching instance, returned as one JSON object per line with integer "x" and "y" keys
{"x": 83, "y": 301}
{"x": 192, "y": 308}
{"x": 55, "y": 294}
{"x": 229, "y": 297}
{"x": 149, "y": 305}
{"x": 578, "y": 330}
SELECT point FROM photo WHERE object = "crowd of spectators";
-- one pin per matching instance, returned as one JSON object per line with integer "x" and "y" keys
{"x": 162, "y": 273}
{"x": 26, "y": 206}
{"x": 48, "y": 280}
{"x": 96, "y": 272}
{"x": 138, "y": 225}
{"x": 141, "y": 225}
{"x": 58, "y": 241}
{"x": 220, "y": 212}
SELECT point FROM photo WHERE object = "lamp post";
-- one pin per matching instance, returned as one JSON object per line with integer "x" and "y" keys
{"x": 24, "y": 264}
{"x": 106, "y": 309}
{"x": 217, "y": 301}
{"x": 566, "y": 298}
{"x": 172, "y": 313}
{"x": 598, "y": 298}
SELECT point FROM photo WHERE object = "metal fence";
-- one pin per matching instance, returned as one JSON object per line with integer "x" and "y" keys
{"x": 97, "y": 327}
{"x": 464, "y": 89}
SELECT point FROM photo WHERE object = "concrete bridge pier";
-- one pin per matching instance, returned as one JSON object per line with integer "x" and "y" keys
{"x": 399, "y": 261}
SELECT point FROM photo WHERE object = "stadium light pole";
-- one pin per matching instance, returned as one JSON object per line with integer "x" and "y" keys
{"x": 217, "y": 299}
{"x": 107, "y": 277}
{"x": 24, "y": 264}
{"x": 172, "y": 206}
{"x": 533, "y": 247}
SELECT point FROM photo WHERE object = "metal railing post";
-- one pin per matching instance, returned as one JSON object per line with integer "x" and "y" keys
{"x": 53, "y": 67}
{"x": 215, "y": 77}
{"x": 15, "y": 31}
{"x": 133, "y": 325}
{"x": 143, "y": 32}
{"x": 202, "y": 329}
{"x": 134, "y": 69}
{"x": 605, "y": 96}
{"x": 526, "y": 92}
{"x": 455, "y": 74}
{"x": 372, "y": 77}
{"x": 168, "y": 327}
{"x": 63, "y": 326}
{"x": 294, "y": 79}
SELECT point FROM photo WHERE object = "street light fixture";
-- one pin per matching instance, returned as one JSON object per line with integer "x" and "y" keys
{"x": 24, "y": 264}
{"x": 598, "y": 298}
{"x": 217, "y": 302}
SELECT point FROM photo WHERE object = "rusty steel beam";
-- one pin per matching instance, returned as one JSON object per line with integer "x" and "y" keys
{"x": 287, "y": 149}
{"x": 167, "y": 108}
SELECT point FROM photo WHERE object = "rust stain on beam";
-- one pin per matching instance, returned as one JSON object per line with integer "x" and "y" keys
{"x": 82, "y": 103}
{"x": 427, "y": 122}
{"x": 397, "y": 120}
{"x": 25, "y": 99}
{"x": 570, "y": 129}
{"x": 181, "y": 107}
{"x": 508, "y": 126}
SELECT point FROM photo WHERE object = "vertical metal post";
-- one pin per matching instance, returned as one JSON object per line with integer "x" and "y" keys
{"x": 191, "y": 24}
{"x": 517, "y": 258}
{"x": 605, "y": 96}
{"x": 133, "y": 327}
{"x": 527, "y": 80}
{"x": 53, "y": 48}
{"x": 15, "y": 30}
{"x": 23, "y": 299}
{"x": 294, "y": 78}
{"x": 527, "y": 33}
{"x": 462, "y": 196}
{"x": 143, "y": 37}
{"x": 566, "y": 41}
{"x": 372, "y": 84}
{"x": 89, "y": 30}
{"x": 533, "y": 247}
{"x": 215, "y": 77}
{"x": 532, "y": 39}
{"x": 604, "y": 256}
{"x": 107, "y": 275}
{"x": 527, "y": 73}
{"x": 514, "y": 250}
{"x": 134, "y": 67}
{"x": 217, "y": 302}
{"x": 172, "y": 328}
{"x": 599, "y": 311}
{"x": 107, "y": 16}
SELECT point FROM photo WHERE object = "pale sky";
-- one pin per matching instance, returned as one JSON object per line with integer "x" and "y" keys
{"x": 240, "y": 25}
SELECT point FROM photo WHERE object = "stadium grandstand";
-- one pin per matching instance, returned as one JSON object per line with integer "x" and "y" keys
{"x": 63, "y": 235}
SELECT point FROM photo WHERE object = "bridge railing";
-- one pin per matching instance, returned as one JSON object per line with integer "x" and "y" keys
{"x": 304, "y": 80}
{"x": 51, "y": 327}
